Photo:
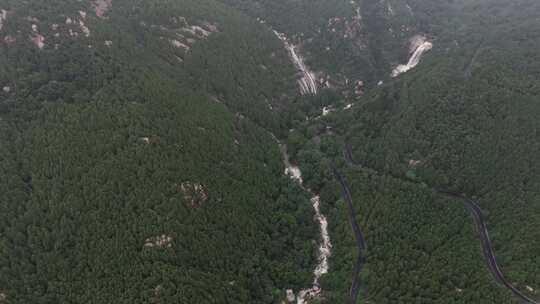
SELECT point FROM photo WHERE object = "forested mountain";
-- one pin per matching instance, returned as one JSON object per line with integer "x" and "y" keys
{"x": 464, "y": 121}
{"x": 468, "y": 121}
{"x": 134, "y": 165}
{"x": 352, "y": 41}
{"x": 143, "y": 146}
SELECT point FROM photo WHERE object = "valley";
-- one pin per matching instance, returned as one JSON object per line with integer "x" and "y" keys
{"x": 257, "y": 151}
{"x": 325, "y": 245}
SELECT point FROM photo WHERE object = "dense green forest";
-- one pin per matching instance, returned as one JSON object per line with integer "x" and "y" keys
{"x": 138, "y": 162}
{"x": 465, "y": 120}
{"x": 475, "y": 134}
{"x": 136, "y": 171}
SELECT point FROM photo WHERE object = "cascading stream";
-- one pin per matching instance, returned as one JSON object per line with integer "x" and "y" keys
{"x": 419, "y": 45}
{"x": 308, "y": 82}
{"x": 325, "y": 245}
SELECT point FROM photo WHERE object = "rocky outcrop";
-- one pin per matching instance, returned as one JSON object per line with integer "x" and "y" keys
{"x": 193, "y": 193}
{"x": 101, "y": 7}
{"x": 160, "y": 241}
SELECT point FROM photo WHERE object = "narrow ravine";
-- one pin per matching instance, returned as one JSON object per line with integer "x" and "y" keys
{"x": 325, "y": 244}
{"x": 419, "y": 45}
{"x": 308, "y": 80}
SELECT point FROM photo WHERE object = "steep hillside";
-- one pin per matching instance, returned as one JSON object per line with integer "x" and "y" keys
{"x": 134, "y": 165}
{"x": 463, "y": 121}
{"x": 201, "y": 44}
{"x": 269, "y": 151}
{"x": 352, "y": 45}
{"x": 468, "y": 116}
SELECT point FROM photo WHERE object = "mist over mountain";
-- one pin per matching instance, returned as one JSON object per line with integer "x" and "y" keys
{"x": 257, "y": 151}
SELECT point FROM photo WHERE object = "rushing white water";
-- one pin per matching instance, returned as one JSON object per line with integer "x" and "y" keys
{"x": 409, "y": 9}
{"x": 325, "y": 251}
{"x": 327, "y": 110}
{"x": 295, "y": 173}
{"x": 3, "y": 16}
{"x": 307, "y": 83}
{"x": 325, "y": 247}
{"x": 419, "y": 45}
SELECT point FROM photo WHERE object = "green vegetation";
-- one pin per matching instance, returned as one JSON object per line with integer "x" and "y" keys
{"x": 137, "y": 163}
{"x": 421, "y": 246}
{"x": 130, "y": 176}
{"x": 463, "y": 120}
{"x": 470, "y": 134}
{"x": 353, "y": 40}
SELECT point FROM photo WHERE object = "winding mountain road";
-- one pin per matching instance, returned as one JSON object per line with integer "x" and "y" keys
{"x": 479, "y": 220}
{"x": 487, "y": 247}
{"x": 359, "y": 237}
{"x": 470, "y": 66}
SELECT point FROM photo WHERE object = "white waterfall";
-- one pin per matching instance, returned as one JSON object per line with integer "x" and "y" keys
{"x": 419, "y": 45}
{"x": 308, "y": 82}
